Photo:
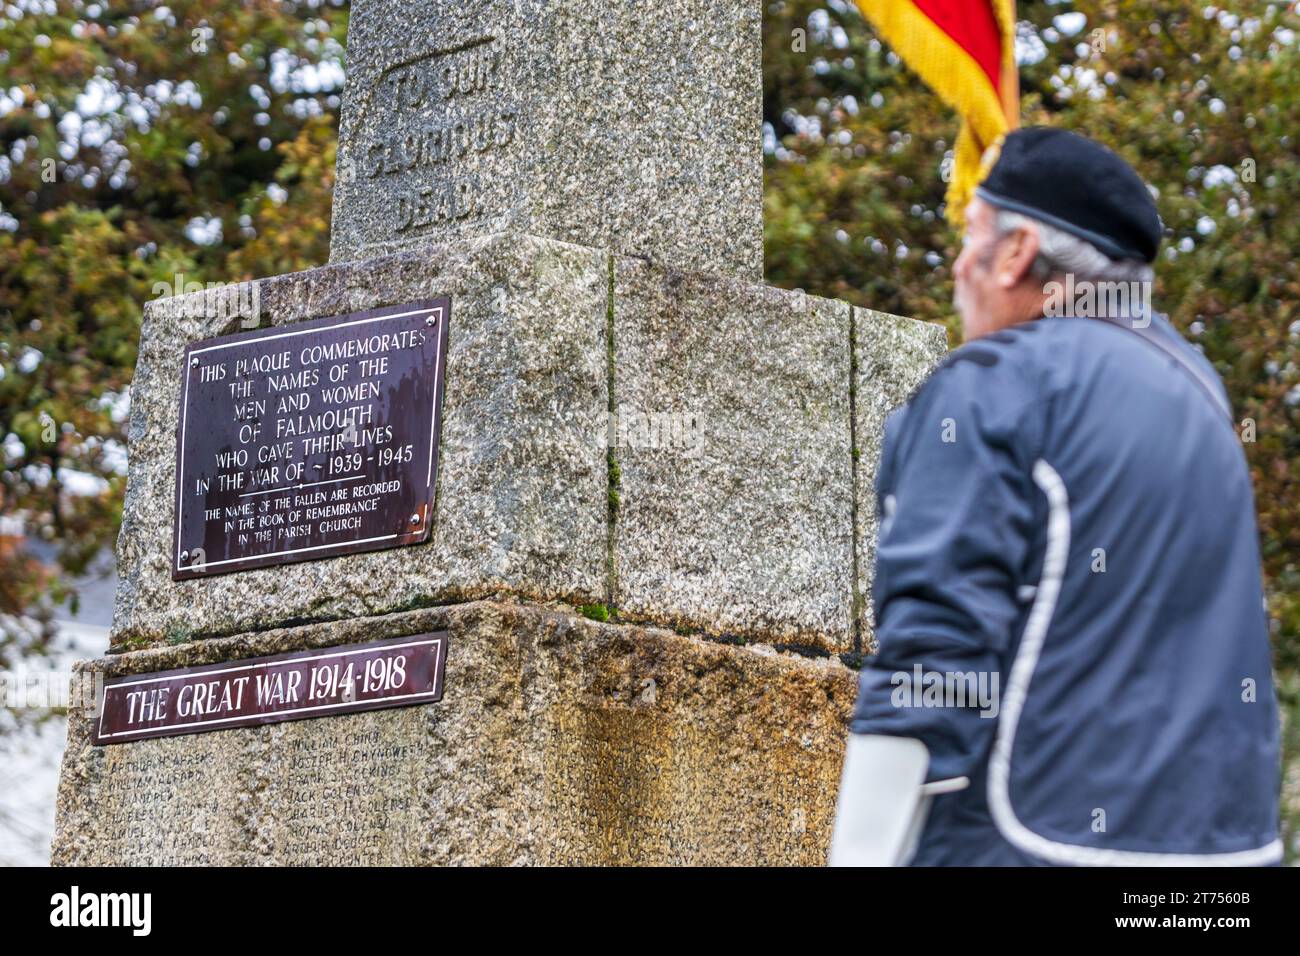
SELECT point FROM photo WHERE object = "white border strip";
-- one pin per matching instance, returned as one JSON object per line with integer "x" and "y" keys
{"x": 1022, "y": 672}
{"x": 314, "y": 547}
{"x": 241, "y": 341}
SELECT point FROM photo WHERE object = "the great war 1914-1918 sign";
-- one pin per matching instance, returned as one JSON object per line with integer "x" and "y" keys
{"x": 309, "y": 440}
{"x": 396, "y": 672}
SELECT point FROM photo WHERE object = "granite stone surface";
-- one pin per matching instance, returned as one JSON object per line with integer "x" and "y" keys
{"x": 521, "y": 488}
{"x": 894, "y": 355}
{"x": 734, "y": 457}
{"x": 632, "y": 126}
{"x": 559, "y": 740}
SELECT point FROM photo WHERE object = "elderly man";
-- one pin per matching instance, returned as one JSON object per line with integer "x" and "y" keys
{"x": 1066, "y": 519}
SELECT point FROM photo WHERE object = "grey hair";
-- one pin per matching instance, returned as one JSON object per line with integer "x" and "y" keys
{"x": 1060, "y": 253}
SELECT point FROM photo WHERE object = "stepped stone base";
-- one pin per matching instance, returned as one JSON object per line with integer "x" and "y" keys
{"x": 726, "y": 404}
{"x": 694, "y": 449}
{"x": 559, "y": 740}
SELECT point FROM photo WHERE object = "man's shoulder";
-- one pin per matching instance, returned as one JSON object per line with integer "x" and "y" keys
{"x": 1036, "y": 357}
{"x": 991, "y": 388}
{"x": 992, "y": 369}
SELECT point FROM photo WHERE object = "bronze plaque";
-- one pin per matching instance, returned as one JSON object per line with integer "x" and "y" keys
{"x": 309, "y": 440}
{"x": 397, "y": 672}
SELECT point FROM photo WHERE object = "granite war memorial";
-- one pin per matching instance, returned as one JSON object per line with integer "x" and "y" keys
{"x": 532, "y": 529}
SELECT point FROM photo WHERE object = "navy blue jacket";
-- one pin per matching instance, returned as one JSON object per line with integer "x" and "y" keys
{"x": 1066, "y": 515}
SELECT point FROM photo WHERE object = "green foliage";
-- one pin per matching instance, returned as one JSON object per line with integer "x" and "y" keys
{"x": 1288, "y": 695}
{"x": 120, "y": 126}
{"x": 179, "y": 634}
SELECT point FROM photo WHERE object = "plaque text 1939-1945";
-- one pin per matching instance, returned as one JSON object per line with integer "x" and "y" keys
{"x": 310, "y": 440}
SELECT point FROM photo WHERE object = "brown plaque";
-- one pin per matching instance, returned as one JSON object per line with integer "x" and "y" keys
{"x": 397, "y": 672}
{"x": 309, "y": 440}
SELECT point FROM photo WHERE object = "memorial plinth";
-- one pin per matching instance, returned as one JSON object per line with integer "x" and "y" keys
{"x": 558, "y": 740}
{"x": 628, "y": 423}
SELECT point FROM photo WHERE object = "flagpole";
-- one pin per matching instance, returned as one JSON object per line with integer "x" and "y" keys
{"x": 1009, "y": 86}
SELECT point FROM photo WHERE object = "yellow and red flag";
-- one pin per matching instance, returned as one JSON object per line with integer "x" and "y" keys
{"x": 964, "y": 50}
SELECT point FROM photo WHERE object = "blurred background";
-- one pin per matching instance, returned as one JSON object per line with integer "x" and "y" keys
{"x": 143, "y": 143}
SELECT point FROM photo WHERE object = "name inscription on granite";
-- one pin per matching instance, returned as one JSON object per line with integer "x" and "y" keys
{"x": 397, "y": 672}
{"x": 310, "y": 440}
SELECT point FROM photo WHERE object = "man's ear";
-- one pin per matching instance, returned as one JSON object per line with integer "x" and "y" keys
{"x": 1016, "y": 255}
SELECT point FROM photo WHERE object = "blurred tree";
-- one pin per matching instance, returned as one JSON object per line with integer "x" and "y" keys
{"x": 141, "y": 145}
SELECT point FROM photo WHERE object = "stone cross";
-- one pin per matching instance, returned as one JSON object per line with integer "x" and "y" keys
{"x": 629, "y": 125}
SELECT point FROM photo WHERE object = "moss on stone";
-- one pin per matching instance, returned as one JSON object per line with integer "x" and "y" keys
{"x": 178, "y": 634}
{"x": 597, "y": 612}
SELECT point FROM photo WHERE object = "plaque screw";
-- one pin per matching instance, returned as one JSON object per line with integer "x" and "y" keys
{"x": 194, "y": 362}
{"x": 415, "y": 519}
{"x": 430, "y": 321}
{"x": 185, "y": 556}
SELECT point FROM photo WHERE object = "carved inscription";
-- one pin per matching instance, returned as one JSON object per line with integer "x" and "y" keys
{"x": 345, "y": 792}
{"x": 346, "y": 796}
{"x": 427, "y": 123}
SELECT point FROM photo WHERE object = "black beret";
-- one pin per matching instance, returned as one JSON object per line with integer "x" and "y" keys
{"x": 1076, "y": 185}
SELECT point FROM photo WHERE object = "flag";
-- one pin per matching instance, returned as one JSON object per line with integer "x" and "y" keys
{"x": 964, "y": 50}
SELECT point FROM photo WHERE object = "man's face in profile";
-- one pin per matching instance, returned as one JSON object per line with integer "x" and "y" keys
{"x": 976, "y": 295}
